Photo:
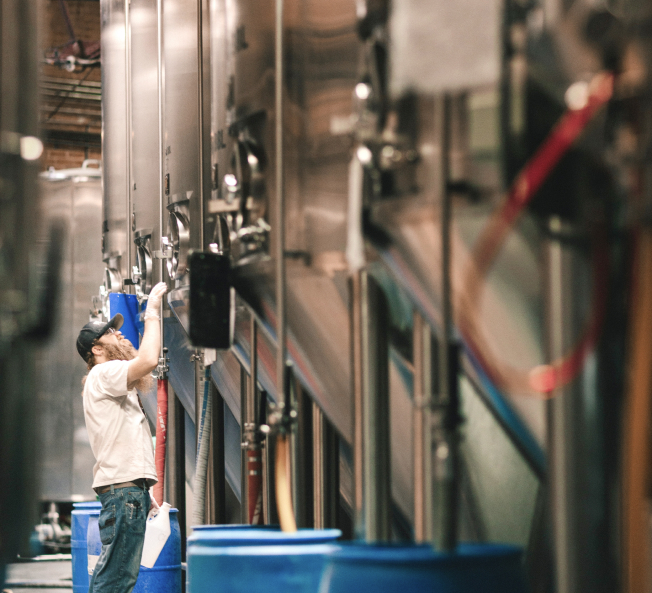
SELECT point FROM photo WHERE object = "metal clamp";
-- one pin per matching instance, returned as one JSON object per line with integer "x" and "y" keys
{"x": 163, "y": 367}
{"x": 163, "y": 254}
{"x": 253, "y": 437}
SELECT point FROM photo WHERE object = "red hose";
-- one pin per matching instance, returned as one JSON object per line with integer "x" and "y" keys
{"x": 161, "y": 436}
{"x": 546, "y": 378}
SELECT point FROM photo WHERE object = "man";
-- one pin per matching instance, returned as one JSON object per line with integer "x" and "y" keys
{"x": 121, "y": 440}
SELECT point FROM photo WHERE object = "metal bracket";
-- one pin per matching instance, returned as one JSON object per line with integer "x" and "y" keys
{"x": 163, "y": 254}
{"x": 163, "y": 367}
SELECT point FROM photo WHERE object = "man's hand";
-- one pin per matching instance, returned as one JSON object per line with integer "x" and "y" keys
{"x": 154, "y": 301}
{"x": 153, "y": 508}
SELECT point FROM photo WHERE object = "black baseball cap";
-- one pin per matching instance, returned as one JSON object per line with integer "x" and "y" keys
{"x": 93, "y": 330}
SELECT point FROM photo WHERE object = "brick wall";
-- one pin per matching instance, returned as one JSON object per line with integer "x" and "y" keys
{"x": 85, "y": 19}
{"x": 66, "y": 157}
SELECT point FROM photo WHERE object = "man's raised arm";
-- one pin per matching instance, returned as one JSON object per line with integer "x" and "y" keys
{"x": 150, "y": 346}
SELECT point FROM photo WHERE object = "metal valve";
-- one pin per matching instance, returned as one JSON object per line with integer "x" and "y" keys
{"x": 136, "y": 274}
{"x": 253, "y": 436}
{"x": 280, "y": 421}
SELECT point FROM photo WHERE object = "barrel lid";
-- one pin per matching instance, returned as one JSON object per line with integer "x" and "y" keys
{"x": 261, "y": 537}
{"x": 421, "y": 554}
{"x": 235, "y": 527}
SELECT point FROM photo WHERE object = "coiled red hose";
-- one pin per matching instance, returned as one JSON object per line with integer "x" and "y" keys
{"x": 545, "y": 378}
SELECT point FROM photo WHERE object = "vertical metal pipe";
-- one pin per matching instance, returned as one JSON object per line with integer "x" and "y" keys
{"x": 326, "y": 477}
{"x": 199, "y": 392}
{"x": 217, "y": 511}
{"x": 269, "y": 484}
{"x": 200, "y": 111}
{"x": 422, "y": 361}
{"x": 265, "y": 445}
{"x": 250, "y": 410}
{"x": 375, "y": 425}
{"x": 577, "y": 434}
{"x": 161, "y": 189}
{"x": 244, "y": 483}
{"x": 128, "y": 194}
{"x": 295, "y": 454}
{"x": 356, "y": 374}
{"x": 280, "y": 206}
{"x": 317, "y": 467}
{"x": 283, "y": 486}
{"x": 251, "y": 444}
{"x": 371, "y": 403}
{"x": 301, "y": 456}
{"x": 418, "y": 436}
{"x": 444, "y": 406}
{"x": 560, "y": 476}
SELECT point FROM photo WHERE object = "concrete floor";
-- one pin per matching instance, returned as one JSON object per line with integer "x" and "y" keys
{"x": 59, "y": 571}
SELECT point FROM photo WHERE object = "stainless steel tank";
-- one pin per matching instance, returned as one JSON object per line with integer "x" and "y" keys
{"x": 116, "y": 226}
{"x": 145, "y": 163}
{"x": 183, "y": 139}
{"x": 74, "y": 195}
{"x": 20, "y": 302}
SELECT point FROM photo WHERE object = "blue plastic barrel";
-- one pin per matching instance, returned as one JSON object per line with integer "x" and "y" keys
{"x": 165, "y": 575}
{"x": 93, "y": 542}
{"x": 486, "y": 568}
{"x": 255, "y": 560}
{"x": 80, "y": 515}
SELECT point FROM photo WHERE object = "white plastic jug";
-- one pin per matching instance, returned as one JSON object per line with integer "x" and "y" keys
{"x": 157, "y": 532}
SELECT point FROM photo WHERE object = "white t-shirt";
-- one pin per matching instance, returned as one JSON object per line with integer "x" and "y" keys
{"x": 117, "y": 428}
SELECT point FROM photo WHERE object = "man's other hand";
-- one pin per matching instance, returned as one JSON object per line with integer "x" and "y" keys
{"x": 154, "y": 300}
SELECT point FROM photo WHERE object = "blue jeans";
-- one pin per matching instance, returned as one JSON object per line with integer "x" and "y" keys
{"x": 122, "y": 531}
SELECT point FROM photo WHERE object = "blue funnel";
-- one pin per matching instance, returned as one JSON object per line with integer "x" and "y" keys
{"x": 127, "y": 304}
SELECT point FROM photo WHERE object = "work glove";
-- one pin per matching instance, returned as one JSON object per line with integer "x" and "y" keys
{"x": 154, "y": 301}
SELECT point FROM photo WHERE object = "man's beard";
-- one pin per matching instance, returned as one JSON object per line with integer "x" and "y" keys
{"x": 125, "y": 351}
